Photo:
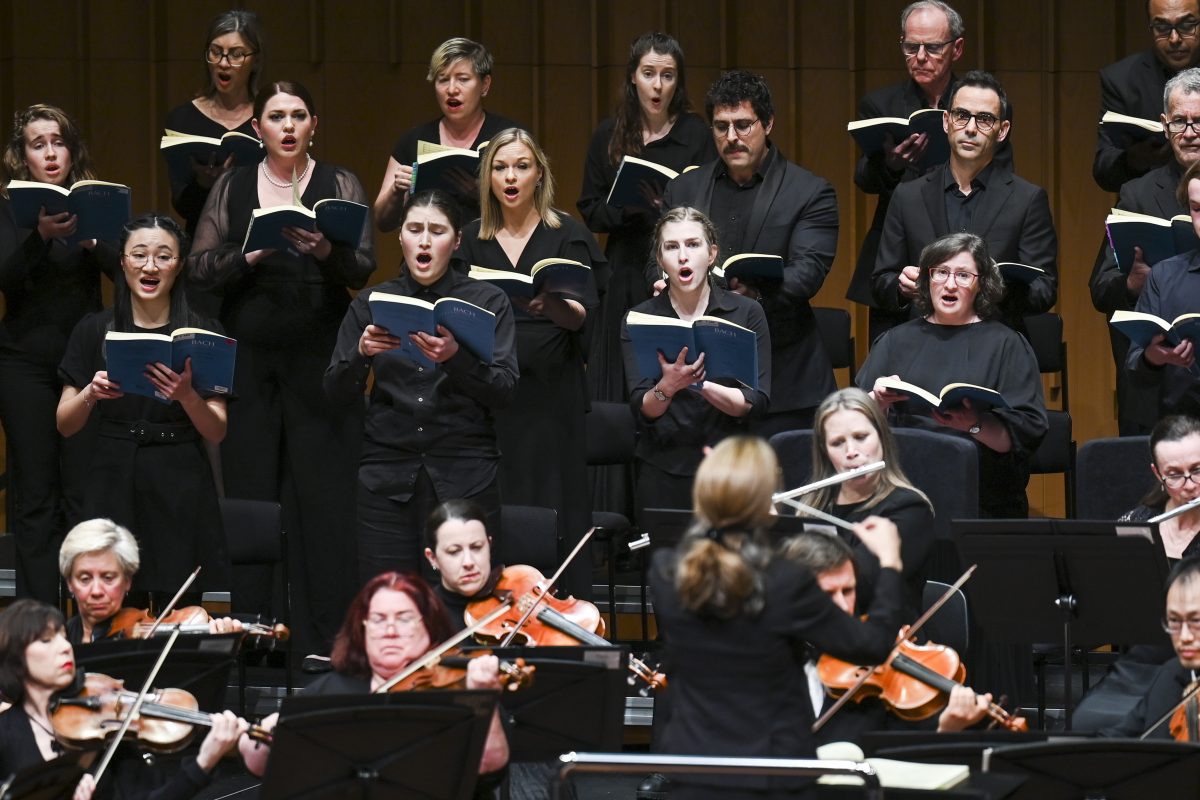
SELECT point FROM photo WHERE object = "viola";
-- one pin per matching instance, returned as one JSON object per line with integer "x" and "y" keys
{"x": 449, "y": 671}
{"x": 524, "y": 586}
{"x": 135, "y": 623}
{"x": 1185, "y": 720}
{"x": 165, "y": 722}
{"x": 914, "y": 684}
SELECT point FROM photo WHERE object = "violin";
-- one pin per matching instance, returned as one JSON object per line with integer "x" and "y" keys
{"x": 135, "y": 623}
{"x": 164, "y": 724}
{"x": 1185, "y": 720}
{"x": 914, "y": 684}
{"x": 449, "y": 671}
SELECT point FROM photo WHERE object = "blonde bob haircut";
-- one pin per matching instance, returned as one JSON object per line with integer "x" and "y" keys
{"x": 96, "y": 536}
{"x": 457, "y": 49}
{"x": 886, "y": 480}
{"x": 491, "y": 216}
{"x": 724, "y": 555}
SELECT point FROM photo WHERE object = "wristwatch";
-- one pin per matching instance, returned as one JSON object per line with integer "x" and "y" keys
{"x": 661, "y": 395}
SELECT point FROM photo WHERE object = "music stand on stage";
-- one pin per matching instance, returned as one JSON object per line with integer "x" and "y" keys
{"x": 200, "y": 664}
{"x": 1079, "y": 581}
{"x": 931, "y": 747}
{"x": 55, "y": 779}
{"x": 575, "y": 702}
{"x": 373, "y": 747}
{"x": 1112, "y": 769}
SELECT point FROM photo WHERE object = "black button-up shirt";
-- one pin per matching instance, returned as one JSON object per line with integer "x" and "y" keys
{"x": 438, "y": 418}
{"x": 732, "y": 203}
{"x": 960, "y": 208}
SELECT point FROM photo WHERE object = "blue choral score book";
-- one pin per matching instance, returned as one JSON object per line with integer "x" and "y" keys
{"x": 730, "y": 350}
{"x": 213, "y": 357}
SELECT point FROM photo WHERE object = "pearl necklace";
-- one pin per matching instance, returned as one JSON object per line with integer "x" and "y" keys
{"x": 271, "y": 179}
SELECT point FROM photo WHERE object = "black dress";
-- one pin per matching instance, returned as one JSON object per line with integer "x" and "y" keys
{"x": 286, "y": 442}
{"x": 405, "y": 150}
{"x": 188, "y": 198}
{"x": 738, "y": 686}
{"x": 543, "y": 435}
{"x": 689, "y": 143}
{"x": 150, "y": 473}
{"x": 48, "y": 287}
{"x": 986, "y": 354}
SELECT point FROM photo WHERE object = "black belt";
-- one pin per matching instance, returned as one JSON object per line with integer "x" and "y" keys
{"x": 149, "y": 433}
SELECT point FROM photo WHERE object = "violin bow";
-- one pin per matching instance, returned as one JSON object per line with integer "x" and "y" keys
{"x": 912, "y": 631}
{"x": 169, "y": 607}
{"x": 549, "y": 585}
{"x": 137, "y": 703}
{"x": 1192, "y": 691}
{"x": 433, "y": 655}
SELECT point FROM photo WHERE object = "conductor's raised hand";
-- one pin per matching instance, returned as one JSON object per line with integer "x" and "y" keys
{"x": 677, "y": 375}
{"x": 1160, "y": 353}
{"x": 172, "y": 385}
{"x": 438, "y": 349}
{"x": 881, "y": 537}
{"x": 375, "y": 339}
{"x": 101, "y": 388}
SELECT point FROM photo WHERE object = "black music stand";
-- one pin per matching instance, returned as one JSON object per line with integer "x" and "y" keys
{"x": 931, "y": 747}
{"x": 1078, "y": 581}
{"x": 373, "y": 747}
{"x": 576, "y": 701}
{"x": 55, "y": 779}
{"x": 1111, "y": 769}
{"x": 199, "y": 664}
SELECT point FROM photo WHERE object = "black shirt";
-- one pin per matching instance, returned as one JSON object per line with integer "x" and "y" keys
{"x": 1172, "y": 289}
{"x": 437, "y": 418}
{"x": 960, "y": 208}
{"x": 456, "y": 604}
{"x": 732, "y": 203}
{"x": 675, "y": 441}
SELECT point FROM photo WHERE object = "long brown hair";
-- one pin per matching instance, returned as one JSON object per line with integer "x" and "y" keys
{"x": 349, "y": 654}
{"x": 626, "y": 139}
{"x": 14, "y": 166}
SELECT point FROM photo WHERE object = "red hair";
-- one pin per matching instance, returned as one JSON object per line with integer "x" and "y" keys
{"x": 350, "y": 647}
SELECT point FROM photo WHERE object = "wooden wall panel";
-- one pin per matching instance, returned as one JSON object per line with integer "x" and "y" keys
{"x": 120, "y": 65}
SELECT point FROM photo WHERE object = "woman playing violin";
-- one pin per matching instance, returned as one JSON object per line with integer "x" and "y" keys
{"x": 98, "y": 560}
{"x": 37, "y": 662}
{"x": 392, "y": 621}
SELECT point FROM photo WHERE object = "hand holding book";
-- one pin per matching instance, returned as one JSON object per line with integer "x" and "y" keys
{"x": 438, "y": 349}
{"x": 1160, "y": 352}
{"x": 909, "y": 151}
{"x": 678, "y": 375}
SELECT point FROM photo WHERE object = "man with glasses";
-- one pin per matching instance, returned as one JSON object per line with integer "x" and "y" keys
{"x": 762, "y": 203}
{"x": 1134, "y": 86}
{"x": 931, "y": 40}
{"x": 1156, "y": 194}
{"x": 971, "y": 193}
{"x": 1181, "y": 621}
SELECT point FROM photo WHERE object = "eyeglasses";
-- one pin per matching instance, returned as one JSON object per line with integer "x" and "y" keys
{"x": 983, "y": 120}
{"x": 162, "y": 260}
{"x": 377, "y": 624}
{"x": 236, "y": 57}
{"x": 742, "y": 126}
{"x": 1177, "y": 126}
{"x": 942, "y": 274}
{"x": 932, "y": 49}
{"x": 1176, "y": 626}
{"x": 1163, "y": 30}
{"x": 1175, "y": 480}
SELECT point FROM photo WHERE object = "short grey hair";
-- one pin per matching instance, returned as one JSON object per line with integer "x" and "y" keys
{"x": 953, "y": 17}
{"x": 95, "y": 536}
{"x": 1188, "y": 80}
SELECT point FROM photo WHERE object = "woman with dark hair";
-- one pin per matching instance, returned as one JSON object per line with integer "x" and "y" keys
{"x": 653, "y": 122}
{"x": 36, "y": 663}
{"x": 49, "y": 284}
{"x": 542, "y": 434}
{"x": 287, "y": 442}
{"x": 393, "y": 621}
{"x": 961, "y": 340}
{"x": 1175, "y": 454}
{"x": 849, "y": 431}
{"x": 430, "y": 431}
{"x": 461, "y": 73}
{"x": 734, "y": 618}
{"x": 149, "y": 471}
{"x": 233, "y": 56}
{"x": 459, "y": 551}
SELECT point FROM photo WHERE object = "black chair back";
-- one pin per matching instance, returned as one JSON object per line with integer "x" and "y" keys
{"x": 835, "y": 329}
{"x": 529, "y": 535}
{"x": 611, "y": 433}
{"x": 1111, "y": 476}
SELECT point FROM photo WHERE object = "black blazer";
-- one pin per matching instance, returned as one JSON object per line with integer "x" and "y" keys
{"x": 1013, "y": 216}
{"x": 795, "y": 215}
{"x": 1133, "y": 86}
{"x": 1165, "y": 691}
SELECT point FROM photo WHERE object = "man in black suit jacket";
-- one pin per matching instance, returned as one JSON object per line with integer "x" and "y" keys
{"x": 762, "y": 203}
{"x": 1156, "y": 194}
{"x": 1134, "y": 86}
{"x": 1182, "y": 623}
{"x": 931, "y": 39}
{"x": 971, "y": 193}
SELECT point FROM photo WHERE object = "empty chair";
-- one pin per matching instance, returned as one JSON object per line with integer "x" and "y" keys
{"x": 1111, "y": 476}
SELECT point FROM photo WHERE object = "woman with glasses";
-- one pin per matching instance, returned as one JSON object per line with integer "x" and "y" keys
{"x": 234, "y": 60}
{"x": 149, "y": 471}
{"x": 49, "y": 284}
{"x": 393, "y": 621}
{"x": 1175, "y": 453}
{"x": 960, "y": 340}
